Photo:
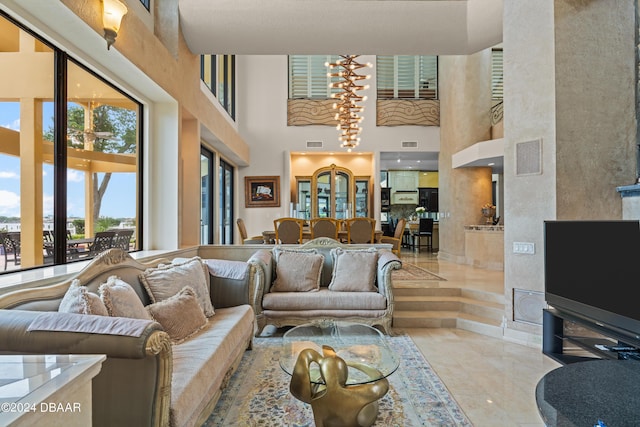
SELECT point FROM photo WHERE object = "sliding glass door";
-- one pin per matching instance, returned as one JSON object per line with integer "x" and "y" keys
{"x": 226, "y": 203}
{"x": 206, "y": 199}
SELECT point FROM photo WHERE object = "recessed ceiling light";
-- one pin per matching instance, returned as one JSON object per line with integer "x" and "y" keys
{"x": 491, "y": 164}
{"x": 398, "y": 160}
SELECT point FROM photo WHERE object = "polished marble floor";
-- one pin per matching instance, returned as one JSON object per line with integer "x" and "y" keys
{"x": 491, "y": 379}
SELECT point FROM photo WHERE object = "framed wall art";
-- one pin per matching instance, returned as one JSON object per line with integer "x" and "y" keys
{"x": 261, "y": 191}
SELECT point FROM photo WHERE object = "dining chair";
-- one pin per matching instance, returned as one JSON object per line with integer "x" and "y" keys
{"x": 361, "y": 230}
{"x": 243, "y": 234}
{"x": 396, "y": 239}
{"x": 324, "y": 227}
{"x": 425, "y": 229}
{"x": 288, "y": 230}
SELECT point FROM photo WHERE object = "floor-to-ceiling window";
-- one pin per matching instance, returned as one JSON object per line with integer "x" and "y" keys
{"x": 206, "y": 198}
{"x": 69, "y": 150}
{"x": 226, "y": 203}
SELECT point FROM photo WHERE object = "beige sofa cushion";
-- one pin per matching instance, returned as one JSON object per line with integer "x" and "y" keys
{"x": 354, "y": 270}
{"x": 297, "y": 271}
{"x": 167, "y": 280}
{"x": 121, "y": 300}
{"x": 180, "y": 315}
{"x": 201, "y": 362}
{"x": 79, "y": 300}
{"x": 323, "y": 300}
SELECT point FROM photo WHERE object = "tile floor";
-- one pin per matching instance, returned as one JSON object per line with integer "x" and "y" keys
{"x": 492, "y": 380}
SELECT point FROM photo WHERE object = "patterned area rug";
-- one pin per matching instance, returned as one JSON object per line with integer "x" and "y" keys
{"x": 258, "y": 393}
{"x": 413, "y": 272}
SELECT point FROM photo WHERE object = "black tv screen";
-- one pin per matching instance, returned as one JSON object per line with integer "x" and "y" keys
{"x": 591, "y": 270}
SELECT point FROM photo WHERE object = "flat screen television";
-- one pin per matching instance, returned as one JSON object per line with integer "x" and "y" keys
{"x": 592, "y": 270}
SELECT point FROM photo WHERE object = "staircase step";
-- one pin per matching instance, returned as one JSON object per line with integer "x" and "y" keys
{"x": 447, "y": 319}
{"x": 480, "y": 308}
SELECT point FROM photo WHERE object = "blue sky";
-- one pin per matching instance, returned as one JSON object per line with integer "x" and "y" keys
{"x": 119, "y": 200}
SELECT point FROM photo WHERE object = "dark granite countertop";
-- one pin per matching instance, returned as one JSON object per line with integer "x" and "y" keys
{"x": 585, "y": 394}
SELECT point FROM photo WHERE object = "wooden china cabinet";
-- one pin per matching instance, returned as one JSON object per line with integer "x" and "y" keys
{"x": 334, "y": 192}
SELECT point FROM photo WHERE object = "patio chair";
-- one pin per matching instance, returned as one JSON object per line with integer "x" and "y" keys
{"x": 288, "y": 230}
{"x": 11, "y": 247}
{"x": 324, "y": 227}
{"x": 102, "y": 241}
{"x": 396, "y": 240}
{"x": 361, "y": 230}
{"x": 122, "y": 239}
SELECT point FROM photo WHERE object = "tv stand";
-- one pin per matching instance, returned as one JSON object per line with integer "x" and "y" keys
{"x": 568, "y": 338}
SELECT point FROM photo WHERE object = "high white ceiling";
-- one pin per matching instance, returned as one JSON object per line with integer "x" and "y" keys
{"x": 363, "y": 27}
{"x": 329, "y": 27}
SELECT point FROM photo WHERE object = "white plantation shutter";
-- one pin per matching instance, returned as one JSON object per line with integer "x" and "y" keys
{"x": 308, "y": 76}
{"x": 407, "y": 77}
{"x": 497, "y": 91}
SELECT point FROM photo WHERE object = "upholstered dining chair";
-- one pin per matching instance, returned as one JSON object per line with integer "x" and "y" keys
{"x": 324, "y": 227}
{"x": 361, "y": 230}
{"x": 288, "y": 230}
{"x": 396, "y": 240}
{"x": 243, "y": 234}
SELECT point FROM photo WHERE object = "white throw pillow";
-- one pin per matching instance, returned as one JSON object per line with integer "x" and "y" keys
{"x": 79, "y": 300}
{"x": 121, "y": 300}
{"x": 165, "y": 281}
{"x": 354, "y": 270}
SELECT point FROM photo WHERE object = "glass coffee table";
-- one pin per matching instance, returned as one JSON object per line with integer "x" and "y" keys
{"x": 340, "y": 368}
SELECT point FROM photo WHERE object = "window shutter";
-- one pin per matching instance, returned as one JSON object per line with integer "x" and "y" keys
{"x": 407, "y": 77}
{"x": 308, "y": 76}
{"x": 497, "y": 91}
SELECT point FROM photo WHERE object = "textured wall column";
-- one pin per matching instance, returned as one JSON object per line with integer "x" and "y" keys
{"x": 465, "y": 119}
{"x": 595, "y": 45}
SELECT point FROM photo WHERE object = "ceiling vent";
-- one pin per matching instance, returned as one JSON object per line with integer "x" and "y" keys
{"x": 409, "y": 144}
{"x": 314, "y": 144}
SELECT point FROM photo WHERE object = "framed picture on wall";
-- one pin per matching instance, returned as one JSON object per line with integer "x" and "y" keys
{"x": 261, "y": 191}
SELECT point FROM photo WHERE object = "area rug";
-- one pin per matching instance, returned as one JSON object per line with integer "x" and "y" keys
{"x": 258, "y": 393}
{"x": 413, "y": 272}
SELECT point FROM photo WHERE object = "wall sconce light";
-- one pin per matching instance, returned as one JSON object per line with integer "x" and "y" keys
{"x": 112, "y": 13}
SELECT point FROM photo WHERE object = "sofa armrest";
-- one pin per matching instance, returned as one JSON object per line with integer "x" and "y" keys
{"x": 387, "y": 262}
{"x": 134, "y": 385}
{"x": 262, "y": 260}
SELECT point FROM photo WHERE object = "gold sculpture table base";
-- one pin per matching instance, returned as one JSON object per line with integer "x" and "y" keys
{"x": 321, "y": 381}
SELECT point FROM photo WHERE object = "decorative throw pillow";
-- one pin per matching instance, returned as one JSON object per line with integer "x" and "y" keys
{"x": 297, "y": 271}
{"x": 180, "y": 315}
{"x": 166, "y": 281}
{"x": 121, "y": 300}
{"x": 354, "y": 270}
{"x": 78, "y": 299}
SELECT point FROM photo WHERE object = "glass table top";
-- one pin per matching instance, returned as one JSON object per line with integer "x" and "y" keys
{"x": 360, "y": 346}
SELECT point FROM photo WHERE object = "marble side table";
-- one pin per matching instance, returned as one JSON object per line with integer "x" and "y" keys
{"x": 51, "y": 390}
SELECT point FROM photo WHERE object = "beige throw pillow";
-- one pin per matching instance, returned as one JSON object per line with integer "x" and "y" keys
{"x": 165, "y": 281}
{"x": 121, "y": 300}
{"x": 180, "y": 315}
{"x": 78, "y": 299}
{"x": 297, "y": 271}
{"x": 354, "y": 270}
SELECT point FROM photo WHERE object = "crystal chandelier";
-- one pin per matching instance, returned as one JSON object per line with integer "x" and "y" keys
{"x": 348, "y": 115}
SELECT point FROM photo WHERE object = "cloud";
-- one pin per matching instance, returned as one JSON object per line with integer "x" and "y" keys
{"x": 9, "y": 203}
{"x": 74, "y": 176}
{"x": 9, "y": 175}
{"x": 14, "y": 125}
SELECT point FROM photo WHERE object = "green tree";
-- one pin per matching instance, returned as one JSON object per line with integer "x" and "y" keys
{"x": 114, "y": 131}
